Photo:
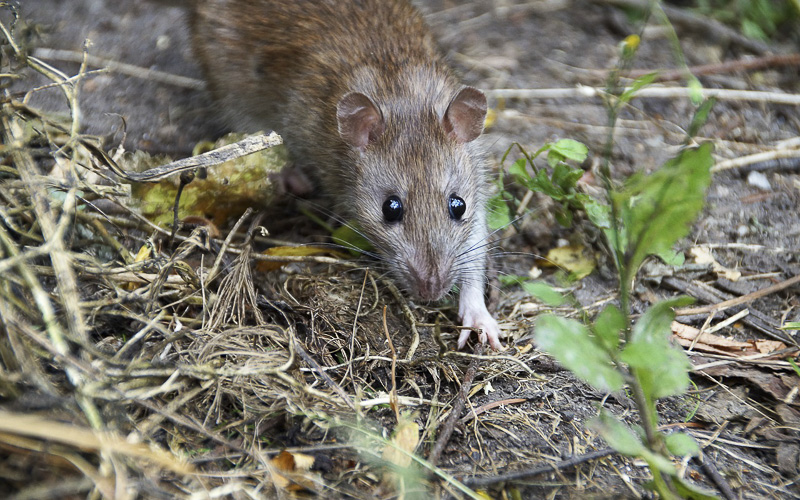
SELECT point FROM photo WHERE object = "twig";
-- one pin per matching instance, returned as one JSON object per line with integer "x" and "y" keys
{"x": 585, "y": 92}
{"x": 769, "y": 61}
{"x": 712, "y": 473}
{"x": 121, "y": 68}
{"x": 458, "y": 405}
{"x": 524, "y": 474}
{"x": 744, "y": 299}
{"x": 246, "y": 146}
{"x": 766, "y": 156}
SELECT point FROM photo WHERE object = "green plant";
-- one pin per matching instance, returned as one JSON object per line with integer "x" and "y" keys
{"x": 645, "y": 216}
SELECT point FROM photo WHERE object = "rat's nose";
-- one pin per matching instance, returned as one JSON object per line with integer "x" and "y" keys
{"x": 427, "y": 284}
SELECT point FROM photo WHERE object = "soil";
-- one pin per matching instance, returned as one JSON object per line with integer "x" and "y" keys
{"x": 744, "y": 414}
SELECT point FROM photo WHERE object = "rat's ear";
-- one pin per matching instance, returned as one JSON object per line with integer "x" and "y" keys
{"x": 360, "y": 121}
{"x": 465, "y": 115}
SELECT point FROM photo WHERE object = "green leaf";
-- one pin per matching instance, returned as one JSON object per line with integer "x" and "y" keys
{"x": 566, "y": 177}
{"x": 542, "y": 183}
{"x": 571, "y": 149}
{"x": 681, "y": 444}
{"x": 598, "y": 213}
{"x": 695, "y": 90}
{"x": 700, "y": 116}
{"x": 609, "y": 326}
{"x": 658, "y": 209}
{"x": 512, "y": 279}
{"x": 791, "y": 325}
{"x": 637, "y": 84}
{"x": 662, "y": 369}
{"x": 350, "y": 238}
{"x": 692, "y": 492}
{"x": 654, "y": 325}
{"x": 554, "y": 158}
{"x": 569, "y": 342}
{"x": 544, "y": 292}
{"x": 498, "y": 214}
{"x": 519, "y": 172}
{"x": 618, "y": 435}
{"x": 672, "y": 258}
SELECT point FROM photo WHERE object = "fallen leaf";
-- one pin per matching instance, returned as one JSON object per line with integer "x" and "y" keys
{"x": 289, "y": 251}
{"x": 294, "y": 464}
{"x": 574, "y": 258}
{"x": 702, "y": 255}
{"x": 687, "y": 336}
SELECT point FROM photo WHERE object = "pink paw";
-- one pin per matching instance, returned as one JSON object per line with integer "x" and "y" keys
{"x": 480, "y": 319}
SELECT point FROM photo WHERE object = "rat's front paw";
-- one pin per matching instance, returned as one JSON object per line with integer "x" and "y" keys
{"x": 484, "y": 321}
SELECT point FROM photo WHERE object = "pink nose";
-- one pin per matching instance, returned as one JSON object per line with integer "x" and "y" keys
{"x": 427, "y": 285}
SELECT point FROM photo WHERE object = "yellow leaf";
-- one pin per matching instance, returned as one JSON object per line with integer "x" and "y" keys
{"x": 287, "y": 251}
{"x": 574, "y": 258}
{"x": 144, "y": 253}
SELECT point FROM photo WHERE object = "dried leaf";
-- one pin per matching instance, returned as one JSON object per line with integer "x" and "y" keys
{"x": 574, "y": 258}
{"x": 702, "y": 255}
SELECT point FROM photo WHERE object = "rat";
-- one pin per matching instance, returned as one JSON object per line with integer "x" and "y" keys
{"x": 369, "y": 110}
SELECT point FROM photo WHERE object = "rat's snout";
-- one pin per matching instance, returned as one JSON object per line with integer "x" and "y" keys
{"x": 429, "y": 283}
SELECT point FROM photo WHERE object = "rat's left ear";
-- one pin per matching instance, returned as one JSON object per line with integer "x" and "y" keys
{"x": 465, "y": 115}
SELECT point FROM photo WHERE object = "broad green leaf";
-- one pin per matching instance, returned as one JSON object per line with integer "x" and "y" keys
{"x": 662, "y": 369}
{"x": 598, "y": 213}
{"x": 609, "y": 326}
{"x": 571, "y": 149}
{"x": 618, "y": 435}
{"x": 569, "y": 342}
{"x": 544, "y": 292}
{"x": 498, "y": 214}
{"x": 654, "y": 325}
{"x": 658, "y": 209}
{"x": 681, "y": 444}
{"x": 554, "y": 158}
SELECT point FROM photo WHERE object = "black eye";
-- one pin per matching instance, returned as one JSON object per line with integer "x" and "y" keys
{"x": 392, "y": 209}
{"x": 457, "y": 207}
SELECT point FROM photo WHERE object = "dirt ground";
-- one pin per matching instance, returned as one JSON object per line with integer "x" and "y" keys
{"x": 744, "y": 413}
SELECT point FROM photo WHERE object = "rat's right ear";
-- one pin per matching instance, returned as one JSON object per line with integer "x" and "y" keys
{"x": 465, "y": 115}
{"x": 360, "y": 121}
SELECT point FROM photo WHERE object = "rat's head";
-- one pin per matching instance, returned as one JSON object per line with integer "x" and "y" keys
{"x": 418, "y": 187}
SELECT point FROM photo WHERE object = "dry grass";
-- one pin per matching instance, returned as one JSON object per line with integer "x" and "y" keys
{"x": 141, "y": 363}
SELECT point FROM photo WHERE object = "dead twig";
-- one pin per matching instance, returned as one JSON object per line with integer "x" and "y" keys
{"x": 528, "y": 473}
{"x": 458, "y": 405}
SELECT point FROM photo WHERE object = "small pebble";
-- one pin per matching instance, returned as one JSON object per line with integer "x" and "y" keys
{"x": 758, "y": 180}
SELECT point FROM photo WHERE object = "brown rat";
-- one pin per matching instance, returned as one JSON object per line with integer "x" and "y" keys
{"x": 367, "y": 107}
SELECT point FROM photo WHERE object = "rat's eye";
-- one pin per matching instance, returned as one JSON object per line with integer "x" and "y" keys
{"x": 392, "y": 209}
{"x": 456, "y": 206}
